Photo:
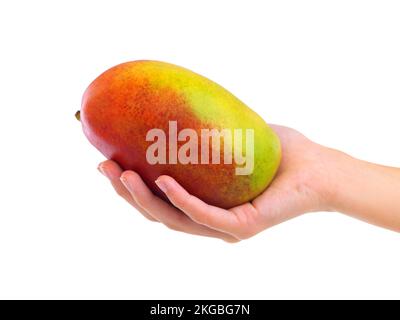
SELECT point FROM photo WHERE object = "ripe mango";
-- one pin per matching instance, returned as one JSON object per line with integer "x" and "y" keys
{"x": 124, "y": 103}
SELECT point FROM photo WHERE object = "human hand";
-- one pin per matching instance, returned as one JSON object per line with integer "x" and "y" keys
{"x": 300, "y": 186}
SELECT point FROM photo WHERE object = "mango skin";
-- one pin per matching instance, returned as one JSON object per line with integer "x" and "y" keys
{"x": 125, "y": 102}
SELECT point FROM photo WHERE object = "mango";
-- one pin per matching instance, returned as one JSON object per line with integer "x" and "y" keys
{"x": 158, "y": 119}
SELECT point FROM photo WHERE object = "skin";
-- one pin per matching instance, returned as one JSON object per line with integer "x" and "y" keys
{"x": 311, "y": 178}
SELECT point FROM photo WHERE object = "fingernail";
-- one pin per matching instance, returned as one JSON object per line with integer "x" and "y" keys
{"x": 126, "y": 183}
{"x": 101, "y": 169}
{"x": 162, "y": 185}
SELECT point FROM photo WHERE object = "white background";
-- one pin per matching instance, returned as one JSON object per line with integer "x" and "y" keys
{"x": 330, "y": 69}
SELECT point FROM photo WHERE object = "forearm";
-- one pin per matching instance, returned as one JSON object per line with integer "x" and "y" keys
{"x": 366, "y": 191}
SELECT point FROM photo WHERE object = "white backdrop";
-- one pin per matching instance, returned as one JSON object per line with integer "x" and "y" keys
{"x": 330, "y": 69}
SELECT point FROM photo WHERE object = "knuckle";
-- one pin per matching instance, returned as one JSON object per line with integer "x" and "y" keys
{"x": 149, "y": 217}
{"x": 204, "y": 219}
{"x": 244, "y": 234}
{"x": 231, "y": 240}
{"x": 172, "y": 226}
{"x": 120, "y": 192}
{"x": 180, "y": 219}
{"x": 143, "y": 200}
{"x": 183, "y": 201}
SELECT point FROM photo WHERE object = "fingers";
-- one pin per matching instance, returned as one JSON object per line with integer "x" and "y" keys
{"x": 200, "y": 212}
{"x": 132, "y": 188}
{"x": 113, "y": 172}
{"x": 164, "y": 212}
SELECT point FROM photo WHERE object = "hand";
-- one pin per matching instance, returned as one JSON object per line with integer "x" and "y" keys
{"x": 300, "y": 186}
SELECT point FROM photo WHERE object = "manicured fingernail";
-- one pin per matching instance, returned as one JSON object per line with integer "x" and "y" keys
{"x": 162, "y": 185}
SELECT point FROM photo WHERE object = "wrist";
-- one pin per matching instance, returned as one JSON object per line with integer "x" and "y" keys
{"x": 338, "y": 170}
{"x": 343, "y": 175}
